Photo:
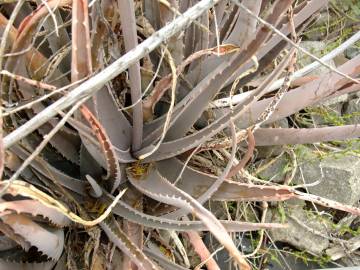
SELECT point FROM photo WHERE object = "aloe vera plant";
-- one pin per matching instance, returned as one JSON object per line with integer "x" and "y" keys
{"x": 120, "y": 165}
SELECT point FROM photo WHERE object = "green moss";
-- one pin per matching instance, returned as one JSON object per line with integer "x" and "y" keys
{"x": 307, "y": 258}
{"x": 303, "y": 152}
{"x": 344, "y": 35}
{"x": 339, "y": 229}
{"x": 232, "y": 206}
{"x": 303, "y": 256}
{"x": 323, "y": 29}
{"x": 281, "y": 212}
{"x": 274, "y": 257}
{"x": 329, "y": 117}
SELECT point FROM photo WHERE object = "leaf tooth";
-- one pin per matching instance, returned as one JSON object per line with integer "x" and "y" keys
{"x": 35, "y": 208}
{"x": 9, "y": 232}
{"x": 14, "y": 265}
{"x": 120, "y": 239}
{"x": 47, "y": 241}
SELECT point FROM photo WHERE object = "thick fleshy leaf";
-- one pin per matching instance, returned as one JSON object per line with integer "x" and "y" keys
{"x": 48, "y": 241}
{"x": 152, "y": 129}
{"x": 119, "y": 134}
{"x": 81, "y": 67}
{"x": 178, "y": 146}
{"x": 63, "y": 142}
{"x": 166, "y": 264}
{"x": 121, "y": 240}
{"x": 158, "y": 188}
{"x": 26, "y": 265}
{"x": 71, "y": 183}
{"x": 133, "y": 215}
{"x": 128, "y": 26}
{"x": 6, "y": 243}
{"x": 309, "y": 94}
{"x": 228, "y": 191}
{"x": 11, "y": 235}
{"x": 240, "y": 34}
{"x": 281, "y": 136}
{"x": 28, "y": 27}
{"x": 35, "y": 208}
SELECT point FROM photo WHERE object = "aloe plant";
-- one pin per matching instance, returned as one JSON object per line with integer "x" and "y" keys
{"x": 119, "y": 63}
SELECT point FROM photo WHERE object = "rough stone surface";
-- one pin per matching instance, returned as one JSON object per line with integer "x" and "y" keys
{"x": 328, "y": 112}
{"x": 338, "y": 177}
{"x": 323, "y": 115}
{"x": 316, "y": 48}
{"x": 352, "y": 52}
{"x": 269, "y": 151}
{"x": 296, "y": 234}
{"x": 323, "y": 19}
{"x": 281, "y": 123}
{"x": 340, "y": 59}
{"x": 336, "y": 100}
{"x": 276, "y": 171}
{"x": 289, "y": 261}
{"x": 353, "y": 109}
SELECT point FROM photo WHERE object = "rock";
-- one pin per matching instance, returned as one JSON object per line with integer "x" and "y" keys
{"x": 269, "y": 151}
{"x": 317, "y": 31}
{"x": 295, "y": 263}
{"x": 338, "y": 177}
{"x": 340, "y": 59}
{"x": 352, "y": 52}
{"x": 316, "y": 48}
{"x": 336, "y": 100}
{"x": 276, "y": 171}
{"x": 353, "y": 111}
{"x": 281, "y": 123}
{"x": 323, "y": 18}
{"x": 329, "y": 114}
{"x": 297, "y": 235}
{"x": 217, "y": 208}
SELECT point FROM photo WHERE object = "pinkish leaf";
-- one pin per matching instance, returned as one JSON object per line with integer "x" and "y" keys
{"x": 48, "y": 241}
